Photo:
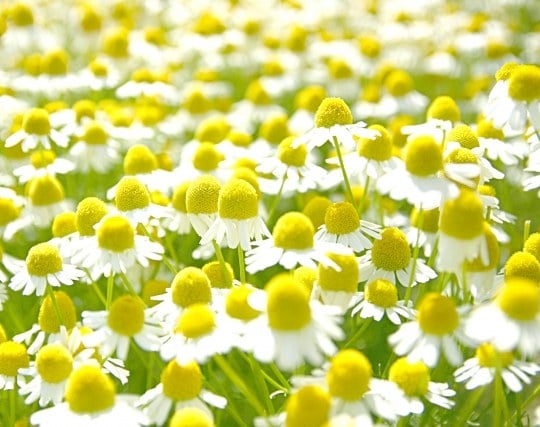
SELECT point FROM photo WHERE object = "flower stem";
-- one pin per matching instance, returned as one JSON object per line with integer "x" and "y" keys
{"x": 55, "y": 304}
{"x": 241, "y": 265}
{"x": 364, "y": 196}
{"x": 110, "y": 288}
{"x": 526, "y": 230}
{"x": 348, "y": 187}
{"x": 358, "y": 332}
{"x": 224, "y": 270}
{"x": 416, "y": 252}
{"x": 275, "y": 203}
{"x": 469, "y": 406}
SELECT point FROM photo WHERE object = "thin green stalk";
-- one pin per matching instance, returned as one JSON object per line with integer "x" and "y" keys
{"x": 98, "y": 292}
{"x": 241, "y": 265}
{"x": 164, "y": 258}
{"x": 279, "y": 375}
{"x": 416, "y": 253}
{"x": 433, "y": 256}
{"x": 139, "y": 353}
{"x": 13, "y": 395}
{"x": 110, "y": 289}
{"x": 526, "y": 230}
{"x": 127, "y": 283}
{"x": 257, "y": 371}
{"x": 348, "y": 187}
{"x": 239, "y": 382}
{"x": 358, "y": 332}
{"x": 470, "y": 404}
{"x": 364, "y": 196}
{"x": 275, "y": 203}
{"x": 55, "y": 305}
{"x": 223, "y": 264}
{"x": 500, "y": 409}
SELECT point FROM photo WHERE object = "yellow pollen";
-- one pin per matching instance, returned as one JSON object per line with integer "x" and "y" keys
{"x": 89, "y": 390}
{"x": 116, "y": 42}
{"x": 391, "y": 252}
{"x": 55, "y": 62}
{"x": 213, "y": 130}
{"x": 179, "y": 197}
{"x": 522, "y": 265}
{"x": 339, "y": 69}
{"x": 116, "y": 234}
{"x": 292, "y": 156}
{"x": 43, "y": 259}
{"x": 214, "y": 271}
{"x": 444, "y": 108}
{"x": 423, "y": 156}
{"x": 191, "y": 417}
{"x": 64, "y": 223}
{"x": 126, "y": 315}
{"x": 42, "y": 158}
{"x": 182, "y": 382}
{"x": 48, "y": 319}
{"x": 13, "y": 356}
{"x": 293, "y": 230}
{"x": 412, "y": 377}
{"x": 310, "y": 98}
{"x": 306, "y": 276}
{"x": 463, "y": 217}
{"x": 308, "y": 406}
{"x": 152, "y": 288}
{"x": 288, "y": 303}
{"x": 9, "y": 211}
{"x": 461, "y": 155}
{"x": 345, "y": 280}
{"x": 379, "y": 148}
{"x": 437, "y": 314}
{"x": 532, "y": 245}
{"x": 519, "y": 298}
{"x": 464, "y": 135}
{"x": 341, "y": 218}
{"x": 349, "y": 375}
{"x": 275, "y": 129}
{"x": 256, "y": 93}
{"x": 54, "y": 363}
{"x": 95, "y": 134}
{"x": 315, "y": 210}
{"x": 485, "y": 129}
{"x": 236, "y": 303}
{"x": 381, "y": 293}
{"x": 196, "y": 320}
{"x": 191, "y": 285}
{"x": 202, "y": 195}
{"x": 524, "y": 83}
{"x": 398, "y": 83}
{"x": 89, "y": 212}
{"x": 238, "y": 200}
{"x": 488, "y": 357}
{"x": 131, "y": 194}
{"x": 36, "y": 122}
{"x": 45, "y": 190}
{"x": 333, "y": 111}
{"x": 206, "y": 157}
{"x": 494, "y": 253}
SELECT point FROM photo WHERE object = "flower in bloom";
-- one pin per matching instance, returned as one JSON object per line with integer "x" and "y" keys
{"x": 13, "y": 358}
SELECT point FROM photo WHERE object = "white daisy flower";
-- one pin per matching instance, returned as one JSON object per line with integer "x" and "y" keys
{"x": 202, "y": 197}
{"x": 43, "y": 162}
{"x": 13, "y": 358}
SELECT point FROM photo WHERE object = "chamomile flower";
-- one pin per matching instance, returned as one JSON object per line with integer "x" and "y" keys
{"x": 343, "y": 225}
{"x": 179, "y": 221}
{"x": 380, "y": 299}
{"x": 424, "y": 225}
{"x": 43, "y": 162}
{"x": 435, "y": 329}
{"x": 306, "y": 101}
{"x": 90, "y": 400}
{"x": 13, "y": 358}
{"x": 113, "y": 329}
{"x": 181, "y": 386}
{"x": 293, "y": 242}
{"x": 334, "y": 120}
{"x": 492, "y": 140}
{"x": 292, "y": 329}
{"x": 390, "y": 259}
{"x": 115, "y": 248}
{"x": 36, "y": 131}
{"x": 46, "y": 200}
{"x": 44, "y": 266}
{"x": 238, "y": 219}
{"x": 482, "y": 369}
{"x": 11, "y": 207}
{"x": 510, "y": 320}
{"x": 188, "y": 416}
{"x": 202, "y": 197}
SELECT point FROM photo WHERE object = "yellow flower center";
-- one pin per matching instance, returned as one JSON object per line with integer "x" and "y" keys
{"x": 43, "y": 259}
{"x": 238, "y": 200}
{"x": 191, "y": 285}
{"x": 89, "y": 212}
{"x": 213, "y": 130}
{"x": 91, "y": 19}
{"x": 315, "y": 210}
{"x": 308, "y": 406}
{"x": 292, "y": 156}
{"x": 196, "y": 102}
{"x": 485, "y": 129}
{"x": 45, "y": 190}
{"x": 532, "y": 245}
{"x": 344, "y": 280}
{"x": 214, "y": 271}
{"x": 9, "y": 211}
{"x": 131, "y": 194}
{"x": 293, "y": 230}
{"x": 126, "y": 315}
{"x": 275, "y": 128}
{"x": 379, "y": 148}
{"x": 98, "y": 68}
{"x": 461, "y": 155}
{"x": 196, "y": 320}
{"x": 116, "y": 234}
{"x": 3, "y": 335}
{"x": 47, "y": 317}
{"x": 381, "y": 293}
{"x": 89, "y": 390}
{"x": 21, "y": 14}
{"x": 55, "y": 62}
{"x": 437, "y": 314}
{"x": 139, "y": 159}
{"x": 249, "y": 176}
{"x": 182, "y": 382}
{"x": 398, "y": 83}
{"x": 520, "y": 299}
{"x": 256, "y": 93}
{"x": 32, "y": 64}
{"x": 36, "y": 122}
{"x": 310, "y": 98}
{"x": 95, "y": 134}
{"x": 505, "y": 71}
{"x": 372, "y": 92}
{"x": 296, "y": 39}
{"x": 155, "y": 35}
{"x": 42, "y": 158}
{"x": 13, "y": 356}
{"x": 178, "y": 200}
{"x": 423, "y": 156}
{"x": 288, "y": 303}
{"x": 54, "y": 363}
{"x": 191, "y": 417}
{"x": 236, "y": 303}
{"x": 488, "y": 357}
{"x": 115, "y": 43}
{"x": 524, "y": 83}
{"x": 333, "y": 111}
{"x": 464, "y": 135}
{"x": 430, "y": 219}
{"x": 463, "y": 217}
{"x": 206, "y": 157}
{"x": 202, "y": 195}
{"x": 349, "y": 375}
{"x": 412, "y": 377}
{"x": 339, "y": 69}
{"x": 239, "y": 138}
{"x": 272, "y": 68}
{"x": 370, "y": 46}
{"x": 391, "y": 252}
{"x": 494, "y": 253}
{"x": 208, "y": 24}
{"x": 341, "y": 218}
{"x": 444, "y": 108}
{"x": 152, "y": 288}
{"x": 306, "y": 276}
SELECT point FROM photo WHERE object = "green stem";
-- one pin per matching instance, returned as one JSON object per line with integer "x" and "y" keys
{"x": 433, "y": 256}
{"x": 416, "y": 252}
{"x": 164, "y": 258}
{"x": 348, "y": 187}
{"x": 13, "y": 395}
{"x": 55, "y": 305}
{"x": 127, "y": 283}
{"x": 500, "y": 410}
{"x": 257, "y": 371}
{"x": 526, "y": 230}
{"x": 470, "y": 404}
{"x": 223, "y": 264}
{"x": 279, "y": 375}
{"x": 364, "y": 196}
{"x": 241, "y": 265}
{"x": 110, "y": 288}
{"x": 239, "y": 382}
{"x": 98, "y": 292}
{"x": 358, "y": 332}
{"x": 275, "y": 203}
